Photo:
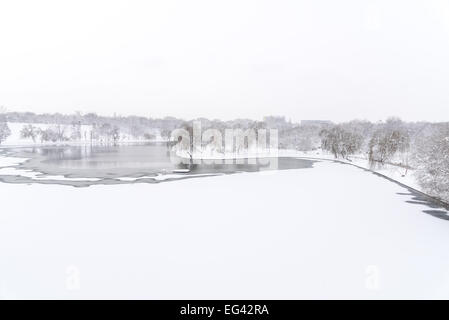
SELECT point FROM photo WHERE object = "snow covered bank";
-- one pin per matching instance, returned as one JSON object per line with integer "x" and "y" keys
{"x": 393, "y": 172}
{"x": 9, "y": 167}
{"x": 397, "y": 173}
{"x": 8, "y": 161}
{"x": 333, "y": 231}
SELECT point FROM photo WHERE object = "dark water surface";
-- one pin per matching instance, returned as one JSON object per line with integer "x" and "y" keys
{"x": 108, "y": 163}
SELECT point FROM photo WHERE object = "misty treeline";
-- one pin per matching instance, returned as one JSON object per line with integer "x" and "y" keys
{"x": 72, "y": 127}
{"x": 421, "y": 146}
{"x": 104, "y": 133}
{"x": 62, "y": 127}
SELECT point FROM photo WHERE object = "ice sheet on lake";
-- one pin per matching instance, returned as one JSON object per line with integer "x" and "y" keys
{"x": 334, "y": 231}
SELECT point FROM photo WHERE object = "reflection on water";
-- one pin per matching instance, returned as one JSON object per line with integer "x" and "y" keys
{"x": 85, "y": 157}
{"x": 137, "y": 160}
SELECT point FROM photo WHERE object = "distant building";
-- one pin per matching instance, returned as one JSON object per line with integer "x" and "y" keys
{"x": 316, "y": 122}
{"x": 276, "y": 122}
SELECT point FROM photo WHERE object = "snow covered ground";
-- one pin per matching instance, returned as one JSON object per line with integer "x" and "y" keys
{"x": 334, "y": 231}
{"x": 394, "y": 172}
{"x": 397, "y": 173}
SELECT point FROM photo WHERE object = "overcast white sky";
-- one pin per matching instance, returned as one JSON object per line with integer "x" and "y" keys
{"x": 315, "y": 59}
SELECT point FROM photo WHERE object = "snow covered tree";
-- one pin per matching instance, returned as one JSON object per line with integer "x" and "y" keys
{"x": 386, "y": 142}
{"x": 302, "y": 137}
{"x": 115, "y": 133}
{"x": 5, "y": 132}
{"x": 48, "y": 135}
{"x": 432, "y": 161}
{"x": 76, "y": 130}
{"x": 29, "y": 132}
{"x": 340, "y": 142}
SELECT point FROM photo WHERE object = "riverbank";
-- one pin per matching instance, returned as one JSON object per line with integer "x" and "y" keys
{"x": 38, "y": 172}
{"x": 398, "y": 173}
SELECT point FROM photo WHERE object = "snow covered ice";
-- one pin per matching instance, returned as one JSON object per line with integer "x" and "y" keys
{"x": 333, "y": 231}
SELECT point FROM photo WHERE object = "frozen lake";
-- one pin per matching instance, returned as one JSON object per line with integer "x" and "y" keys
{"x": 334, "y": 231}
{"x": 129, "y": 163}
{"x": 320, "y": 230}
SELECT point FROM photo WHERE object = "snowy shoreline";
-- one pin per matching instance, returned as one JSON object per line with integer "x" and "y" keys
{"x": 394, "y": 172}
{"x": 7, "y": 163}
{"x": 391, "y": 171}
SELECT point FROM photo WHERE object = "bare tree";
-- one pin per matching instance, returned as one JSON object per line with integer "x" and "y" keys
{"x": 115, "y": 133}
{"x": 386, "y": 142}
{"x": 340, "y": 142}
{"x": 76, "y": 130}
{"x": 29, "y": 131}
